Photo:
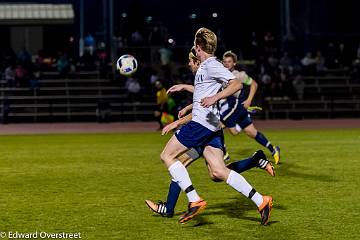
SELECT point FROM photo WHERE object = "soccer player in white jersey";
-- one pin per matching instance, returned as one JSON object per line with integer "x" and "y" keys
{"x": 233, "y": 109}
{"x": 258, "y": 159}
{"x": 203, "y": 131}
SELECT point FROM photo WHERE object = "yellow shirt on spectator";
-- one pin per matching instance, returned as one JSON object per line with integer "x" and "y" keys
{"x": 161, "y": 97}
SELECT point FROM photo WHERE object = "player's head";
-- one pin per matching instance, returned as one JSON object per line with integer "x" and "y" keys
{"x": 194, "y": 62}
{"x": 229, "y": 60}
{"x": 205, "y": 42}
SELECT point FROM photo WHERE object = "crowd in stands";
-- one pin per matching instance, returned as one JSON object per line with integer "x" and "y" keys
{"x": 279, "y": 72}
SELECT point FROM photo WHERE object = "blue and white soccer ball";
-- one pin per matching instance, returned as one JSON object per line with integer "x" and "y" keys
{"x": 127, "y": 65}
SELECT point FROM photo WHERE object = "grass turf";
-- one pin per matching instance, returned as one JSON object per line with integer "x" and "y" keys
{"x": 97, "y": 184}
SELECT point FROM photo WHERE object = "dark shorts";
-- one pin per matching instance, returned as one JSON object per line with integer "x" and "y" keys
{"x": 239, "y": 116}
{"x": 195, "y": 135}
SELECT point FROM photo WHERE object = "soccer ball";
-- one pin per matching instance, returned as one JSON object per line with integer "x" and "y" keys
{"x": 127, "y": 65}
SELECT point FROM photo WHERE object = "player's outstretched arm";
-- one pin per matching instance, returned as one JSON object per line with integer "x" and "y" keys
{"x": 234, "y": 86}
{"x": 176, "y": 124}
{"x": 183, "y": 111}
{"x": 181, "y": 87}
{"x": 253, "y": 89}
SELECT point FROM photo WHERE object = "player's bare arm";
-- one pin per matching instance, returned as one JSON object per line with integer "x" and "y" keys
{"x": 176, "y": 124}
{"x": 185, "y": 110}
{"x": 253, "y": 89}
{"x": 233, "y": 86}
{"x": 180, "y": 88}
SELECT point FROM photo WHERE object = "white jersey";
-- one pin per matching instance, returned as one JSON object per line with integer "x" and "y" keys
{"x": 209, "y": 79}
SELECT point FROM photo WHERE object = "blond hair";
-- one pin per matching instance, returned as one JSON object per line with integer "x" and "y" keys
{"x": 206, "y": 39}
{"x": 230, "y": 54}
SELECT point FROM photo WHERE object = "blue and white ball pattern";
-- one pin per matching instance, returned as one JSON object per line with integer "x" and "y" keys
{"x": 127, "y": 65}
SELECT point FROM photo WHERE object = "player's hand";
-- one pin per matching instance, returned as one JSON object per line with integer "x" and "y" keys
{"x": 175, "y": 88}
{"x": 168, "y": 128}
{"x": 182, "y": 112}
{"x": 208, "y": 101}
{"x": 246, "y": 104}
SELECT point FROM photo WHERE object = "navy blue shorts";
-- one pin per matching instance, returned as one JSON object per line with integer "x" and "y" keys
{"x": 195, "y": 135}
{"x": 239, "y": 116}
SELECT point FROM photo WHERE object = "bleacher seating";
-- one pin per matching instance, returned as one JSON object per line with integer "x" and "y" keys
{"x": 77, "y": 98}
{"x": 73, "y": 99}
{"x": 324, "y": 97}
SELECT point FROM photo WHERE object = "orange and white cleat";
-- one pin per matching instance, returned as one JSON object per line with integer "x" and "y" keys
{"x": 194, "y": 209}
{"x": 265, "y": 209}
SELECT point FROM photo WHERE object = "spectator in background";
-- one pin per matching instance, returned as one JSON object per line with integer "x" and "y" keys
{"x": 273, "y": 61}
{"x": 137, "y": 38}
{"x": 39, "y": 60}
{"x": 276, "y": 84}
{"x": 133, "y": 87}
{"x": 161, "y": 102}
{"x": 102, "y": 58}
{"x": 63, "y": 65}
{"x": 89, "y": 43}
{"x": 165, "y": 56}
{"x": 308, "y": 63}
{"x": 10, "y": 76}
{"x": 35, "y": 80}
{"x": 24, "y": 57}
{"x": 266, "y": 80}
{"x": 286, "y": 86}
{"x": 20, "y": 76}
{"x": 299, "y": 85}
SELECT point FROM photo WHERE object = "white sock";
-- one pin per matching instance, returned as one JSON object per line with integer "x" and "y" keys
{"x": 181, "y": 176}
{"x": 238, "y": 128}
{"x": 257, "y": 199}
{"x": 240, "y": 184}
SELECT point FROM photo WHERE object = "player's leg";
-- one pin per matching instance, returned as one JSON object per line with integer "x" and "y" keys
{"x": 176, "y": 169}
{"x": 252, "y": 132}
{"x": 226, "y": 153}
{"x": 190, "y": 135}
{"x": 214, "y": 157}
{"x": 258, "y": 159}
{"x": 234, "y": 131}
{"x": 166, "y": 209}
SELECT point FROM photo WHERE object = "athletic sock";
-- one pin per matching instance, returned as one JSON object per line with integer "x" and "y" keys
{"x": 260, "y": 138}
{"x": 173, "y": 196}
{"x": 181, "y": 176}
{"x": 240, "y": 184}
{"x": 242, "y": 165}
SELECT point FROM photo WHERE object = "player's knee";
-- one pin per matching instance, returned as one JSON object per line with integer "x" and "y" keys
{"x": 218, "y": 174}
{"x": 164, "y": 157}
{"x": 213, "y": 178}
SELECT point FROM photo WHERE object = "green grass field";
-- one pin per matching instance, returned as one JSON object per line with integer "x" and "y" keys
{"x": 96, "y": 185}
